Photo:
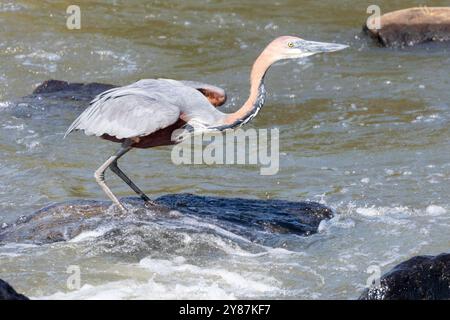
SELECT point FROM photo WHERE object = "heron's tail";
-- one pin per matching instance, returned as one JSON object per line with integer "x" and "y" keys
{"x": 73, "y": 127}
{"x": 78, "y": 123}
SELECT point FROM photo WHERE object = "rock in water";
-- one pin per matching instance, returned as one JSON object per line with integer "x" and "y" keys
{"x": 411, "y": 26}
{"x": 8, "y": 293}
{"x": 54, "y": 98}
{"x": 64, "y": 221}
{"x": 419, "y": 278}
{"x": 65, "y": 90}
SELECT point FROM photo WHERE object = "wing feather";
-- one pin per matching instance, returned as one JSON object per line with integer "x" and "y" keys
{"x": 125, "y": 112}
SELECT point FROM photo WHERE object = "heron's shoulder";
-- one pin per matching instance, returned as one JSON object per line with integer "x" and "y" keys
{"x": 159, "y": 90}
{"x": 144, "y": 87}
{"x": 160, "y": 82}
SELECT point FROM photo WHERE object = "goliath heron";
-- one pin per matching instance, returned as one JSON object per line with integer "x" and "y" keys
{"x": 146, "y": 114}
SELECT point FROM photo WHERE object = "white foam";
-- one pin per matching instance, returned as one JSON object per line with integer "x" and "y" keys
{"x": 11, "y": 7}
{"x": 434, "y": 210}
{"x": 177, "y": 279}
{"x": 382, "y": 211}
{"x": 92, "y": 234}
{"x": 194, "y": 222}
{"x": 338, "y": 221}
{"x": 19, "y": 246}
{"x": 14, "y": 127}
{"x": 15, "y": 249}
{"x": 369, "y": 212}
{"x": 129, "y": 289}
{"x": 232, "y": 279}
{"x": 40, "y": 54}
{"x": 5, "y": 104}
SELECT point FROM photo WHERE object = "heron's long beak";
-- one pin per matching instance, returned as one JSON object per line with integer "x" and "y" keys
{"x": 318, "y": 47}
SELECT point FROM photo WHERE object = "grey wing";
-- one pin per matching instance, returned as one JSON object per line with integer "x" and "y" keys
{"x": 125, "y": 113}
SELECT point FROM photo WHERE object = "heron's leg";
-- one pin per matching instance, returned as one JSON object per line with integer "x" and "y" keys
{"x": 100, "y": 177}
{"x": 115, "y": 168}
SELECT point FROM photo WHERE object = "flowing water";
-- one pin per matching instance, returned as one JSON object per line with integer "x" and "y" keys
{"x": 364, "y": 131}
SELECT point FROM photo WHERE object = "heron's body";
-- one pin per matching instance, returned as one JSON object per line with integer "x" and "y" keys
{"x": 162, "y": 137}
{"x": 148, "y": 113}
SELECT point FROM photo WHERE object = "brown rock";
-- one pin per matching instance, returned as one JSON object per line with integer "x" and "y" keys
{"x": 411, "y": 26}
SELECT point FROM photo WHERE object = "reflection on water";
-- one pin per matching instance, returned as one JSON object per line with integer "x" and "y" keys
{"x": 364, "y": 130}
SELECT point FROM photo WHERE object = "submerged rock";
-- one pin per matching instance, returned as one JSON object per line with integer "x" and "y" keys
{"x": 419, "y": 278}
{"x": 411, "y": 26}
{"x": 54, "y": 98}
{"x": 65, "y": 221}
{"x": 65, "y": 90}
{"x": 8, "y": 293}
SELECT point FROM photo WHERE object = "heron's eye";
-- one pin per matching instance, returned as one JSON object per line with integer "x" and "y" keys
{"x": 290, "y": 44}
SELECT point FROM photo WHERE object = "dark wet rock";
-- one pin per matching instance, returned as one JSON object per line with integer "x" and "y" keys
{"x": 419, "y": 278}
{"x": 8, "y": 293}
{"x": 64, "y": 221}
{"x": 412, "y": 26}
{"x": 273, "y": 215}
{"x": 53, "y": 98}
{"x": 65, "y": 90}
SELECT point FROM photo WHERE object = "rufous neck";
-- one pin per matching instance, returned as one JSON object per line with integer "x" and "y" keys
{"x": 259, "y": 69}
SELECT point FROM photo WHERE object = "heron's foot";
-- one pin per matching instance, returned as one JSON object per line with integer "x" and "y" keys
{"x": 119, "y": 206}
{"x": 122, "y": 208}
{"x": 117, "y": 209}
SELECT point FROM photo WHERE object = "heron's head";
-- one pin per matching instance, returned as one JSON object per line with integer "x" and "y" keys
{"x": 289, "y": 47}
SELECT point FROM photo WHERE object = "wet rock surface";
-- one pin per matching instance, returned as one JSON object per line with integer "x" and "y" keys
{"x": 65, "y": 90}
{"x": 8, "y": 293}
{"x": 411, "y": 26}
{"x": 65, "y": 221}
{"x": 51, "y": 99}
{"x": 419, "y": 278}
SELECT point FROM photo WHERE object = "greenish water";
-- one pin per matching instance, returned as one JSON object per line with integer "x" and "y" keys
{"x": 365, "y": 131}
